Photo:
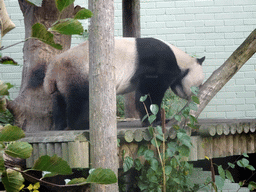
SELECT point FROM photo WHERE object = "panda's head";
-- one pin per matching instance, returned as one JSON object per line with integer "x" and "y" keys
{"x": 192, "y": 75}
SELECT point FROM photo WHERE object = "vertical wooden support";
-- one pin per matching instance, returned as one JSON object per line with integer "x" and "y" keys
{"x": 102, "y": 91}
{"x": 131, "y": 18}
{"x": 65, "y": 154}
{"x": 50, "y": 149}
{"x": 131, "y": 28}
{"x": 42, "y": 149}
{"x": 35, "y": 151}
{"x": 74, "y": 157}
{"x": 57, "y": 149}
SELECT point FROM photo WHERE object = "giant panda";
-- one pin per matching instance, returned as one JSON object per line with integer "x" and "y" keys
{"x": 144, "y": 65}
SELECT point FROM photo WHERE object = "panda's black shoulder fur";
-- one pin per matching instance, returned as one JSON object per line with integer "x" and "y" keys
{"x": 156, "y": 58}
{"x": 37, "y": 75}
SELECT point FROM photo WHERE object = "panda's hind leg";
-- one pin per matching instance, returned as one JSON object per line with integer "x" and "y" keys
{"x": 59, "y": 111}
{"x": 78, "y": 106}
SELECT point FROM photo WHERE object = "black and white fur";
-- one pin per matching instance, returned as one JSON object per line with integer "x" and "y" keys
{"x": 146, "y": 65}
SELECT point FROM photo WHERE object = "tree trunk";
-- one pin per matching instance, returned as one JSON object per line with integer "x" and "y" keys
{"x": 32, "y": 107}
{"x": 131, "y": 28}
{"x": 103, "y": 131}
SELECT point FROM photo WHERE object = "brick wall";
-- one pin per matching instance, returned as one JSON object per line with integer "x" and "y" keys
{"x": 211, "y": 28}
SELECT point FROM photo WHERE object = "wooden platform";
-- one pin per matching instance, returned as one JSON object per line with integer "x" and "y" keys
{"x": 215, "y": 138}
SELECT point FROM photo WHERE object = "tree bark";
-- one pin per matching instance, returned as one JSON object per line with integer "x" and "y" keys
{"x": 103, "y": 130}
{"x": 32, "y": 107}
{"x": 131, "y": 28}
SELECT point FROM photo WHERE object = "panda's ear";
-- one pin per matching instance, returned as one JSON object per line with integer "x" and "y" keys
{"x": 200, "y": 61}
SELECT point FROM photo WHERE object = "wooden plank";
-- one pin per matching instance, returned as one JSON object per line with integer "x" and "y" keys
{"x": 200, "y": 148}
{"x": 138, "y": 135}
{"x": 74, "y": 156}
{"x": 222, "y": 146}
{"x": 243, "y": 143}
{"x": 239, "y": 128}
{"x": 253, "y": 127}
{"x": 193, "y": 149}
{"x": 230, "y": 145}
{"x": 58, "y": 149}
{"x": 219, "y": 129}
{"x": 246, "y": 127}
{"x": 236, "y": 145}
{"x": 50, "y": 149}
{"x": 233, "y": 128}
{"x": 216, "y": 147}
{"x": 65, "y": 153}
{"x": 208, "y": 143}
{"x": 226, "y": 129}
{"x": 84, "y": 151}
{"x": 42, "y": 149}
{"x": 55, "y": 136}
{"x": 35, "y": 151}
{"x": 250, "y": 143}
{"x": 30, "y": 161}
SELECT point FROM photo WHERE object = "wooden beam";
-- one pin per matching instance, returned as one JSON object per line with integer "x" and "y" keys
{"x": 131, "y": 28}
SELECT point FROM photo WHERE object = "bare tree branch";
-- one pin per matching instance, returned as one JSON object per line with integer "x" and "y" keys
{"x": 226, "y": 71}
{"x": 222, "y": 75}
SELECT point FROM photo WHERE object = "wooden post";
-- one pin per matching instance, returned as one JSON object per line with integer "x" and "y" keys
{"x": 131, "y": 28}
{"x": 102, "y": 92}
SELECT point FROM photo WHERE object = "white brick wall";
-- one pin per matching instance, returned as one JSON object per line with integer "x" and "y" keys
{"x": 211, "y": 28}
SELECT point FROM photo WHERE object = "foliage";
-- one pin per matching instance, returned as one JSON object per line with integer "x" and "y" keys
{"x": 226, "y": 174}
{"x": 5, "y": 116}
{"x": 120, "y": 106}
{"x": 12, "y": 177}
{"x": 164, "y": 167}
{"x": 68, "y": 26}
{"x": 172, "y": 103}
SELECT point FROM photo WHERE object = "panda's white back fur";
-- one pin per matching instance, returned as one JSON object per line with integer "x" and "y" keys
{"x": 125, "y": 64}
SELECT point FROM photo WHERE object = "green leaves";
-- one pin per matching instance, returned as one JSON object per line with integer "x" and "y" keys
{"x": 99, "y": 176}
{"x": 62, "y": 4}
{"x": 22, "y": 150}
{"x": 83, "y": 14}
{"x": 53, "y": 164}
{"x": 245, "y": 164}
{"x": 11, "y": 133}
{"x": 68, "y": 27}
{"x": 40, "y": 32}
{"x": 102, "y": 176}
{"x": 3, "y": 88}
{"x": 128, "y": 163}
{"x": 12, "y": 180}
{"x": 7, "y": 61}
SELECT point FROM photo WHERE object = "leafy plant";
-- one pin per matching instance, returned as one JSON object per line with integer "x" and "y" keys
{"x": 226, "y": 174}
{"x": 120, "y": 106}
{"x": 164, "y": 166}
{"x": 68, "y": 26}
